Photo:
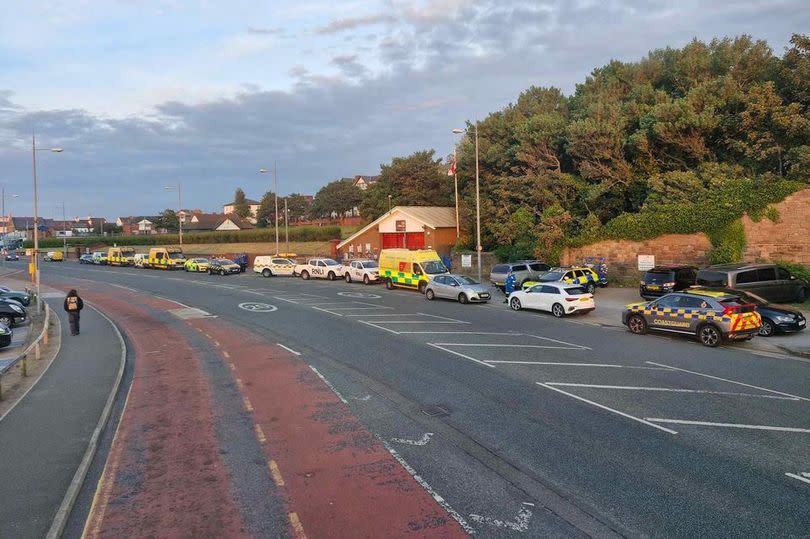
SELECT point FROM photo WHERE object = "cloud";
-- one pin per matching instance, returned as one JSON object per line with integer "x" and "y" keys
{"x": 265, "y": 31}
{"x": 352, "y": 23}
{"x": 349, "y": 66}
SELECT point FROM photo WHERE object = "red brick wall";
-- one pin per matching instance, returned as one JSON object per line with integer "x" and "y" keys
{"x": 788, "y": 239}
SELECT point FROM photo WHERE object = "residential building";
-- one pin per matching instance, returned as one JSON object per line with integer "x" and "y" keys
{"x": 136, "y": 225}
{"x": 364, "y": 182}
{"x": 217, "y": 221}
{"x": 230, "y": 207}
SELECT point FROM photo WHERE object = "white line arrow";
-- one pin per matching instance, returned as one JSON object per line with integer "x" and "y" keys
{"x": 421, "y": 441}
{"x": 520, "y": 524}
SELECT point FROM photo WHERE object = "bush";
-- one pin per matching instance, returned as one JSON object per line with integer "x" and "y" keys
{"x": 728, "y": 243}
{"x": 300, "y": 234}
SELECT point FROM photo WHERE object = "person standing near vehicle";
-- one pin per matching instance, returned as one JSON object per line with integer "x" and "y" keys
{"x": 509, "y": 285}
{"x": 73, "y": 306}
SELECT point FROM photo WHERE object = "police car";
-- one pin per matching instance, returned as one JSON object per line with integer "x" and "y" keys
{"x": 711, "y": 316}
{"x": 319, "y": 268}
{"x": 579, "y": 275}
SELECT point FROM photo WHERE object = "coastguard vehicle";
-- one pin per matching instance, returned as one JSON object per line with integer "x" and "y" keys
{"x": 578, "y": 275}
{"x": 367, "y": 271}
{"x": 120, "y": 256}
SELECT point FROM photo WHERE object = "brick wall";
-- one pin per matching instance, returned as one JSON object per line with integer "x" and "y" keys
{"x": 788, "y": 239}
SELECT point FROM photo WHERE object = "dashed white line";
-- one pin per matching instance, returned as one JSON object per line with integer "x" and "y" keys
{"x": 443, "y": 318}
{"x": 497, "y": 345}
{"x": 567, "y": 364}
{"x": 329, "y": 384}
{"x": 728, "y": 425}
{"x": 290, "y": 350}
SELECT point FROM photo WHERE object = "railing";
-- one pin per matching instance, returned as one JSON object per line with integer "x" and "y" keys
{"x": 35, "y": 347}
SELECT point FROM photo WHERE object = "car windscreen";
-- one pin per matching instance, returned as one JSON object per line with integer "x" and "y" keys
{"x": 575, "y": 290}
{"x": 330, "y": 262}
{"x": 370, "y": 265}
{"x": 224, "y": 261}
{"x": 176, "y": 256}
{"x": 500, "y": 268}
{"x": 711, "y": 278}
{"x": 660, "y": 276}
{"x": 463, "y": 279}
{"x": 552, "y": 276}
{"x": 202, "y": 261}
{"x": 434, "y": 267}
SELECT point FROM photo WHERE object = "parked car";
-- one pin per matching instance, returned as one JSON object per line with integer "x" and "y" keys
{"x": 99, "y": 258}
{"x": 457, "y": 287}
{"x": 86, "y": 259}
{"x": 23, "y": 298}
{"x": 197, "y": 265}
{"x": 367, "y": 271}
{"x": 11, "y": 313}
{"x": 775, "y": 318}
{"x": 768, "y": 281}
{"x": 661, "y": 280}
{"x": 54, "y": 256}
{"x": 578, "y": 275}
{"x": 319, "y": 268}
{"x": 139, "y": 260}
{"x": 273, "y": 265}
{"x": 223, "y": 266}
{"x": 12, "y": 256}
{"x": 6, "y": 334}
{"x": 524, "y": 270}
{"x": 558, "y": 298}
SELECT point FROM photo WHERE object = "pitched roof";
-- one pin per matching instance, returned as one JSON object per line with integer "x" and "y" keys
{"x": 431, "y": 216}
{"x": 212, "y": 221}
{"x": 135, "y": 219}
{"x": 250, "y": 202}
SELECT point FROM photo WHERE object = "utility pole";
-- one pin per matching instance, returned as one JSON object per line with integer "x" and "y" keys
{"x": 36, "y": 214}
{"x": 477, "y": 204}
{"x": 275, "y": 193}
{"x": 455, "y": 182}
{"x": 286, "y": 227}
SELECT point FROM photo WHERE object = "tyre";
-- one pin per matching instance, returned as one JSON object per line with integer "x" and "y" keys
{"x": 348, "y": 277}
{"x": 388, "y": 284}
{"x": 557, "y": 310}
{"x": 305, "y": 275}
{"x": 590, "y": 288}
{"x": 421, "y": 287}
{"x": 267, "y": 273}
{"x": 210, "y": 271}
{"x": 185, "y": 268}
{"x": 514, "y": 303}
{"x": 637, "y": 324}
{"x": 463, "y": 299}
{"x": 710, "y": 336}
{"x": 6, "y": 320}
{"x": 331, "y": 276}
{"x": 767, "y": 329}
{"x": 366, "y": 280}
{"x": 429, "y": 294}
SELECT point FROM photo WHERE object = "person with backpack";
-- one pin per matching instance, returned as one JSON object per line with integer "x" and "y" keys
{"x": 509, "y": 285}
{"x": 73, "y": 306}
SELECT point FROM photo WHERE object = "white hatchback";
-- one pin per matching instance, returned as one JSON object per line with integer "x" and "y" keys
{"x": 559, "y": 299}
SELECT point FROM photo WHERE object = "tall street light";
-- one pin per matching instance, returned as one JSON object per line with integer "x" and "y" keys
{"x": 457, "y": 131}
{"x": 34, "y": 151}
{"x": 179, "y": 189}
{"x": 275, "y": 194}
{"x": 5, "y": 223}
{"x": 478, "y": 246}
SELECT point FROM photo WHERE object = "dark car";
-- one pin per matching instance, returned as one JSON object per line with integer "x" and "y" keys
{"x": 766, "y": 280}
{"x": 11, "y": 313}
{"x": 22, "y": 297}
{"x": 6, "y": 334}
{"x": 524, "y": 270}
{"x": 661, "y": 280}
{"x": 775, "y": 318}
{"x": 12, "y": 256}
{"x": 221, "y": 266}
{"x": 86, "y": 259}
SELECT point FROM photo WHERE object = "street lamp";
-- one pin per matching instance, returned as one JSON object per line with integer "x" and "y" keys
{"x": 275, "y": 194}
{"x": 478, "y": 247}
{"x": 34, "y": 151}
{"x": 456, "y": 131}
{"x": 179, "y": 189}
{"x": 5, "y": 223}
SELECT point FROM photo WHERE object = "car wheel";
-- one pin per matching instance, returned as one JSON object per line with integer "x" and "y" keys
{"x": 514, "y": 303}
{"x": 266, "y": 273}
{"x": 210, "y": 272}
{"x": 366, "y": 280}
{"x": 331, "y": 276}
{"x": 348, "y": 277}
{"x": 766, "y": 329}
{"x": 305, "y": 275}
{"x": 803, "y": 295}
{"x": 463, "y": 299}
{"x": 429, "y": 294}
{"x": 557, "y": 310}
{"x": 590, "y": 288}
{"x": 709, "y": 336}
{"x": 637, "y": 324}
{"x": 388, "y": 284}
{"x": 6, "y": 320}
{"x": 421, "y": 287}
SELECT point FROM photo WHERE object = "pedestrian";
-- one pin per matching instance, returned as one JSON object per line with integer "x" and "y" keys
{"x": 73, "y": 306}
{"x": 509, "y": 285}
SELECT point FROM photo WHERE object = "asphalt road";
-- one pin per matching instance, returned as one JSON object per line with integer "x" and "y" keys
{"x": 529, "y": 425}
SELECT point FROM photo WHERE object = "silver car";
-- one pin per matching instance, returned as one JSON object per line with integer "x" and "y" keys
{"x": 458, "y": 287}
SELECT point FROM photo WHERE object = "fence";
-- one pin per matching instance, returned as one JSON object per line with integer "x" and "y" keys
{"x": 34, "y": 347}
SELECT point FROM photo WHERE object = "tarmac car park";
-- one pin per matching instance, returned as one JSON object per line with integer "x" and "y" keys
{"x": 269, "y": 266}
{"x": 319, "y": 268}
{"x": 367, "y": 271}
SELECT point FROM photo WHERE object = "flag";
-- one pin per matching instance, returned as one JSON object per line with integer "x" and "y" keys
{"x": 452, "y": 170}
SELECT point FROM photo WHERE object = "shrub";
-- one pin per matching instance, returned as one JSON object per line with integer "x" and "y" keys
{"x": 728, "y": 243}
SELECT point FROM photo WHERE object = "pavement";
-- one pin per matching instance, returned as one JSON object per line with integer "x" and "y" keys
{"x": 509, "y": 423}
{"x": 44, "y": 437}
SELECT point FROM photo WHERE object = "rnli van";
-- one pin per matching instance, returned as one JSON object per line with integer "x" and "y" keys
{"x": 121, "y": 256}
{"x": 168, "y": 258}
{"x": 409, "y": 269}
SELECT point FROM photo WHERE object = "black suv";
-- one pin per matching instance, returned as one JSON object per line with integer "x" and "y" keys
{"x": 766, "y": 280}
{"x": 662, "y": 280}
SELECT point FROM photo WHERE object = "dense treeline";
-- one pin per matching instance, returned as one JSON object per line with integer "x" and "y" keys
{"x": 637, "y": 144}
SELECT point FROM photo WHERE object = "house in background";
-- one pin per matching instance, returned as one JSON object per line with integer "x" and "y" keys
{"x": 364, "y": 182}
{"x": 252, "y": 204}
{"x": 136, "y": 225}
{"x": 203, "y": 222}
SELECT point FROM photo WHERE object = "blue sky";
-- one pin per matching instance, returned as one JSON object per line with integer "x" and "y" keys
{"x": 147, "y": 93}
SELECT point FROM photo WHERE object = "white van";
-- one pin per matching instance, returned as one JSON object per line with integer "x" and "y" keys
{"x": 139, "y": 259}
{"x": 273, "y": 265}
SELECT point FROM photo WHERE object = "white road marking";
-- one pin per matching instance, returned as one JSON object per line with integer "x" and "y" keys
{"x": 730, "y": 381}
{"x": 381, "y": 314}
{"x": 612, "y": 410}
{"x": 728, "y": 425}
{"x": 327, "y": 311}
{"x": 358, "y": 308}
{"x": 418, "y": 322}
{"x": 329, "y": 384}
{"x": 460, "y": 355}
{"x": 363, "y": 398}
{"x": 455, "y": 332}
{"x": 255, "y": 307}
{"x": 290, "y": 350}
{"x": 566, "y": 364}
{"x": 495, "y": 345}
{"x": 802, "y": 477}
{"x": 420, "y": 442}
{"x": 673, "y": 390}
{"x": 520, "y": 524}
{"x": 559, "y": 342}
{"x": 378, "y": 327}
{"x": 443, "y": 318}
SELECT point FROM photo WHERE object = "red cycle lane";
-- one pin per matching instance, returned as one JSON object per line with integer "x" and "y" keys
{"x": 340, "y": 479}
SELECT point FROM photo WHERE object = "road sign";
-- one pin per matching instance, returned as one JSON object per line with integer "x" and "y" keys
{"x": 258, "y": 307}
{"x": 466, "y": 261}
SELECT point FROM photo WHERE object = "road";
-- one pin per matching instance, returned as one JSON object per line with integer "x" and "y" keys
{"x": 526, "y": 425}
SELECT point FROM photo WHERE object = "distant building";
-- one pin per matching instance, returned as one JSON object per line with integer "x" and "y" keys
{"x": 217, "y": 221}
{"x": 230, "y": 207}
{"x": 137, "y": 225}
{"x": 364, "y": 182}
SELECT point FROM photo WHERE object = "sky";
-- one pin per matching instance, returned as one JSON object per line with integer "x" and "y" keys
{"x": 144, "y": 94}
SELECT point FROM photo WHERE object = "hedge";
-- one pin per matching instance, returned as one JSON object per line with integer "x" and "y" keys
{"x": 258, "y": 235}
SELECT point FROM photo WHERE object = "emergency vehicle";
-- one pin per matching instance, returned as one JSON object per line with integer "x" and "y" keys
{"x": 168, "y": 258}
{"x": 120, "y": 256}
{"x": 579, "y": 275}
{"x": 273, "y": 265}
{"x": 319, "y": 268}
{"x": 409, "y": 269}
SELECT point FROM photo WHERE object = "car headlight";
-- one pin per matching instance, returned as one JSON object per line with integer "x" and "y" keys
{"x": 5, "y": 330}
{"x": 16, "y": 308}
{"x": 786, "y": 319}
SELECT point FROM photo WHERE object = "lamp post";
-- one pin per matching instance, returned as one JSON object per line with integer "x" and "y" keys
{"x": 478, "y": 246}
{"x": 5, "y": 223}
{"x": 179, "y": 189}
{"x": 456, "y": 131}
{"x": 275, "y": 195}
{"x": 34, "y": 151}
{"x": 286, "y": 227}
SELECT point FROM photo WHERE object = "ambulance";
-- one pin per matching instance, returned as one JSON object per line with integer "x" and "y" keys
{"x": 120, "y": 256}
{"x": 168, "y": 258}
{"x": 405, "y": 268}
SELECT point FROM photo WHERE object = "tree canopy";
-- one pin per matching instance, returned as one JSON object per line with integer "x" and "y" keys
{"x": 241, "y": 206}
{"x": 337, "y": 197}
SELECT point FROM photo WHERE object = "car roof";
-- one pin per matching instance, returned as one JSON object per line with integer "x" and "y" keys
{"x": 716, "y": 294}
{"x": 671, "y": 267}
{"x": 740, "y": 266}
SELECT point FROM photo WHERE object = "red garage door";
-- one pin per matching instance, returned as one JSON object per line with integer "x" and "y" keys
{"x": 415, "y": 240}
{"x": 393, "y": 240}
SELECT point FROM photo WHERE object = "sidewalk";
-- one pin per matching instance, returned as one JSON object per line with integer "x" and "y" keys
{"x": 44, "y": 438}
{"x": 610, "y": 303}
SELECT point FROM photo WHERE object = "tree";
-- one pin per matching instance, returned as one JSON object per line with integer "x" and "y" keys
{"x": 297, "y": 207}
{"x": 168, "y": 220}
{"x": 265, "y": 216}
{"x": 241, "y": 207}
{"x": 336, "y": 198}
